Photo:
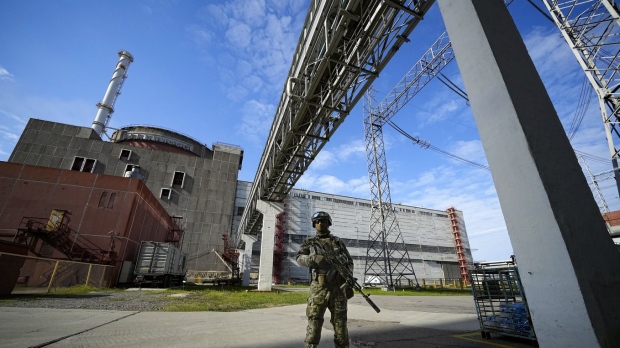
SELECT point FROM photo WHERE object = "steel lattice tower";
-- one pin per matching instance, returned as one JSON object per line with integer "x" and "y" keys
{"x": 387, "y": 257}
{"x": 592, "y": 30}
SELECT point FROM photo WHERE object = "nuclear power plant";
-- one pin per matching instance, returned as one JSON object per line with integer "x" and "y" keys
{"x": 112, "y": 189}
{"x": 77, "y": 203}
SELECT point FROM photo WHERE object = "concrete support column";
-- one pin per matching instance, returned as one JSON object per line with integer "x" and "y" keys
{"x": 246, "y": 258}
{"x": 569, "y": 267}
{"x": 265, "y": 272}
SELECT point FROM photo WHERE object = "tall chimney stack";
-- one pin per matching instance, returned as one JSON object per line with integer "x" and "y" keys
{"x": 106, "y": 106}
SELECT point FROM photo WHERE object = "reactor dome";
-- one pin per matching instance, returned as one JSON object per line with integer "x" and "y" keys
{"x": 161, "y": 139}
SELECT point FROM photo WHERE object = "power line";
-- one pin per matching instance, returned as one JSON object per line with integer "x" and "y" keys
{"x": 582, "y": 108}
{"x": 592, "y": 157}
{"x": 426, "y": 145}
{"x": 456, "y": 89}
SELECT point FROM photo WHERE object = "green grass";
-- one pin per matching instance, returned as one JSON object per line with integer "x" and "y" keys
{"x": 421, "y": 292}
{"x": 403, "y": 292}
{"x": 225, "y": 298}
{"x": 229, "y": 299}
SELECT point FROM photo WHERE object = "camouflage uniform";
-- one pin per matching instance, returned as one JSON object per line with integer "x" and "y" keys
{"x": 325, "y": 291}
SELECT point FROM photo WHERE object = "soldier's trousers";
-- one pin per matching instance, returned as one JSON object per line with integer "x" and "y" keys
{"x": 322, "y": 297}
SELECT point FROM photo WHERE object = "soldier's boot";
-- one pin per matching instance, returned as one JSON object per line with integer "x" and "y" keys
{"x": 310, "y": 345}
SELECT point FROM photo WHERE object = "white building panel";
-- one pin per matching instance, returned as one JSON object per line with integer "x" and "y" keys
{"x": 427, "y": 233}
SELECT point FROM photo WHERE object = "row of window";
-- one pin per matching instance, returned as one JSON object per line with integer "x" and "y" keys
{"x": 88, "y": 165}
{"x": 83, "y": 164}
{"x": 360, "y": 204}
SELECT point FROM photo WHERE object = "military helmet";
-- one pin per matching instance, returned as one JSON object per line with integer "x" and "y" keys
{"x": 321, "y": 215}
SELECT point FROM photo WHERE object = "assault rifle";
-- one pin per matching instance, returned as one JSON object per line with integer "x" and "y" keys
{"x": 341, "y": 264}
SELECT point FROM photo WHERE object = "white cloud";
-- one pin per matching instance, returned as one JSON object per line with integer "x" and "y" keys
{"x": 260, "y": 38}
{"x": 354, "y": 149}
{"x": 9, "y": 134}
{"x": 257, "y": 118}
{"x": 470, "y": 150}
{"x": 199, "y": 35}
{"x": 5, "y": 75}
{"x": 324, "y": 160}
{"x": 357, "y": 187}
{"x": 239, "y": 34}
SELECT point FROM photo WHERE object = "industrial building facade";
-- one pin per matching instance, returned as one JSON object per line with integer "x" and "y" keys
{"x": 94, "y": 218}
{"x": 196, "y": 185}
{"x": 429, "y": 235}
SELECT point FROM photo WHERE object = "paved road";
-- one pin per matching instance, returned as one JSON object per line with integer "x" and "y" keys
{"x": 443, "y": 321}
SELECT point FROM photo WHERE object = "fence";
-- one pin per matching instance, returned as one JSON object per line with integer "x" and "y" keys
{"x": 432, "y": 283}
{"x": 43, "y": 275}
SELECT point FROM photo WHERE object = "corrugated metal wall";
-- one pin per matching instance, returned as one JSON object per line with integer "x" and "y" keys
{"x": 427, "y": 232}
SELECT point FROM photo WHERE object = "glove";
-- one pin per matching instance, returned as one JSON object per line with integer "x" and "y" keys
{"x": 348, "y": 292}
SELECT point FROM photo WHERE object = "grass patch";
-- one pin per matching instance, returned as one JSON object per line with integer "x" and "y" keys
{"x": 377, "y": 291}
{"x": 230, "y": 299}
{"x": 421, "y": 292}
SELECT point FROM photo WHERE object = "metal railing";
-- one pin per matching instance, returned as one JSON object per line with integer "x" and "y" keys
{"x": 40, "y": 274}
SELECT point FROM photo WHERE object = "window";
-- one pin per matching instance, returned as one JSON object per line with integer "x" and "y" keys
{"x": 240, "y": 211}
{"x": 78, "y": 162}
{"x": 89, "y": 165}
{"x": 165, "y": 193}
{"x": 178, "y": 179}
{"x": 105, "y": 202}
{"x": 82, "y": 164}
{"x": 125, "y": 155}
{"x": 111, "y": 201}
{"x": 104, "y": 195}
{"x": 128, "y": 167}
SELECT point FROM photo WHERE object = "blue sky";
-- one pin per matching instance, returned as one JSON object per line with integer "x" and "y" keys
{"x": 215, "y": 71}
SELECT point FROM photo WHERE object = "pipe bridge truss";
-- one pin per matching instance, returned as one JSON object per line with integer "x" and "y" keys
{"x": 343, "y": 47}
{"x": 592, "y": 30}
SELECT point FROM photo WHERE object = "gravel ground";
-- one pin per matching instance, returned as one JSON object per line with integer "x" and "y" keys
{"x": 128, "y": 300}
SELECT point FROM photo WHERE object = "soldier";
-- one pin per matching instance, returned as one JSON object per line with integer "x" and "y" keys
{"x": 326, "y": 285}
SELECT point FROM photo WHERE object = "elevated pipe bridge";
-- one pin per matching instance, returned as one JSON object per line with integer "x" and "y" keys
{"x": 343, "y": 47}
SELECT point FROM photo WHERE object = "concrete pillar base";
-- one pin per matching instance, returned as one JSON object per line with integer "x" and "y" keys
{"x": 265, "y": 273}
{"x": 246, "y": 258}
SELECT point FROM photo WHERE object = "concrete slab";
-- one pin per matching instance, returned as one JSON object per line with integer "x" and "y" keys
{"x": 403, "y": 322}
{"x": 31, "y": 327}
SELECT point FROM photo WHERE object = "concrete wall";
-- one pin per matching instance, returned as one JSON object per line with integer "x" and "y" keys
{"x": 205, "y": 201}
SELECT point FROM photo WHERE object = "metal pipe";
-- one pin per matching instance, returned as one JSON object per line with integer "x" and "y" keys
{"x": 106, "y": 106}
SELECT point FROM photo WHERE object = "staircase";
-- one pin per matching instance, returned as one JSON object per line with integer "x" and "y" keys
{"x": 74, "y": 246}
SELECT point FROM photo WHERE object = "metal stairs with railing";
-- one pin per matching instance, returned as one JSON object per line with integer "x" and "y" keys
{"x": 61, "y": 237}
